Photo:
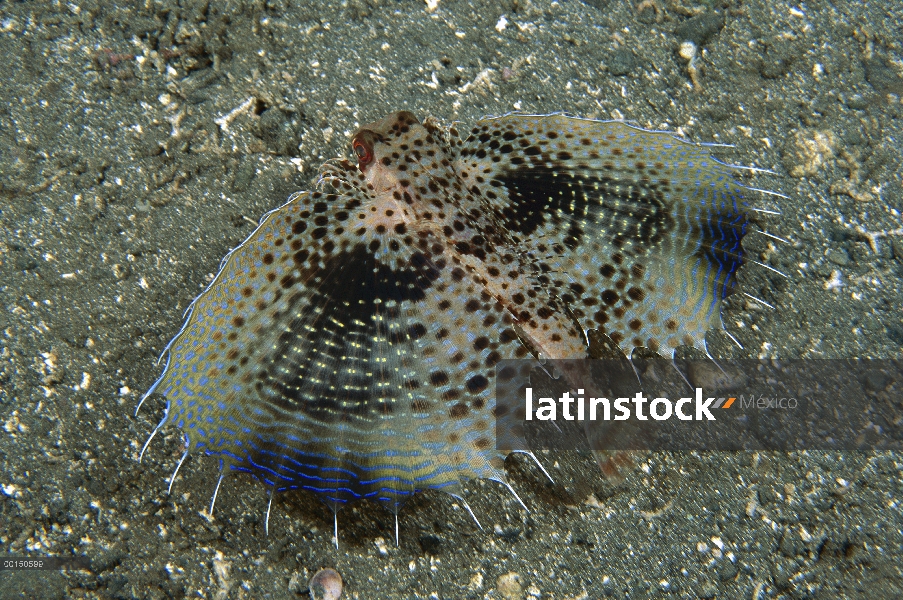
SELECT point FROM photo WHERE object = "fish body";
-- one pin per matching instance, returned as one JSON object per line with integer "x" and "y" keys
{"x": 348, "y": 346}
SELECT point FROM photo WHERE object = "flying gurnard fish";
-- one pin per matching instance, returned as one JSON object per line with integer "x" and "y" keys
{"x": 348, "y": 346}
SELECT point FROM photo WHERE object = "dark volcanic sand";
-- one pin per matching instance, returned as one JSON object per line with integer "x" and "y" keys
{"x": 120, "y": 193}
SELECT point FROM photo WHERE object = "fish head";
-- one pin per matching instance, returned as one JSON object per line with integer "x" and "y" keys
{"x": 390, "y": 152}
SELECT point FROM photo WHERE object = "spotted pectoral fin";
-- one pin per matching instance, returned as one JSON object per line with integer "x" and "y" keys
{"x": 341, "y": 358}
{"x": 638, "y": 232}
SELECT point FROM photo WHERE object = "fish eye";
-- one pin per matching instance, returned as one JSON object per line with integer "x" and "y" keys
{"x": 364, "y": 152}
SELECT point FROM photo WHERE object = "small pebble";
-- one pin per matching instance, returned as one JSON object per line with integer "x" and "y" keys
{"x": 326, "y": 584}
{"x": 699, "y": 30}
{"x": 622, "y": 62}
{"x": 508, "y": 586}
{"x": 687, "y": 50}
{"x": 839, "y": 256}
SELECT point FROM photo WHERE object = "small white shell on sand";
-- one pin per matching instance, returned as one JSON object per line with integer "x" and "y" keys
{"x": 326, "y": 584}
